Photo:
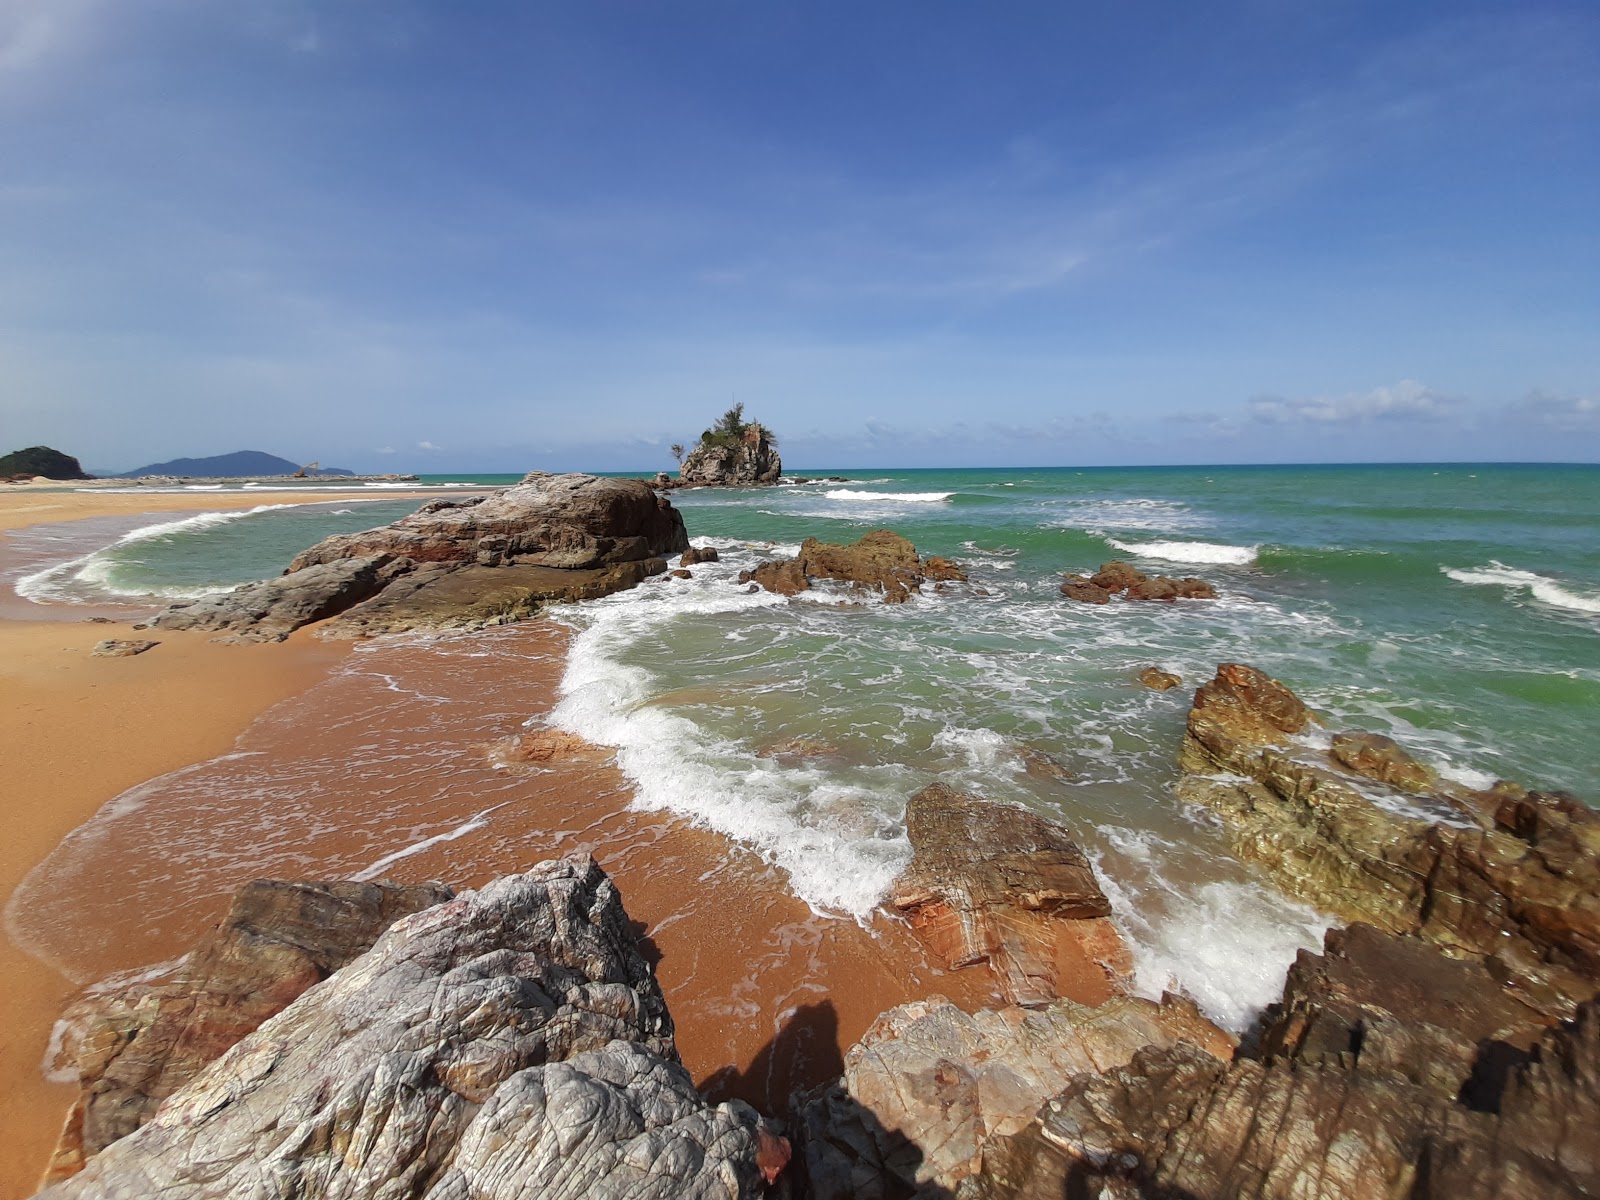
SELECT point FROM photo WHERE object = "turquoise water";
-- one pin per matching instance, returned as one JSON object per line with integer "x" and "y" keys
{"x": 1456, "y": 608}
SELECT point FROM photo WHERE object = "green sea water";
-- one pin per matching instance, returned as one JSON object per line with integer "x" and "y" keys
{"x": 1456, "y": 608}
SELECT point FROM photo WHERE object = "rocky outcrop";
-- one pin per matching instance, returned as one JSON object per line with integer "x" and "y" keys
{"x": 1158, "y": 680}
{"x": 997, "y": 884}
{"x": 749, "y": 459}
{"x": 1365, "y": 832}
{"x": 881, "y": 561}
{"x": 458, "y": 562}
{"x": 131, "y": 1048}
{"x": 695, "y": 555}
{"x": 1118, "y": 578}
{"x": 122, "y": 647}
{"x": 1369, "y": 1083}
{"x": 929, "y": 1085}
{"x": 509, "y": 1042}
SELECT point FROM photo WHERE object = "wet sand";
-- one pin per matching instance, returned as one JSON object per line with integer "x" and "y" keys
{"x": 405, "y": 759}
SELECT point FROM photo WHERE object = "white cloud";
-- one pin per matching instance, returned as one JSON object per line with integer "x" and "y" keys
{"x": 1564, "y": 414}
{"x": 383, "y": 450}
{"x": 1407, "y": 400}
{"x": 428, "y": 446}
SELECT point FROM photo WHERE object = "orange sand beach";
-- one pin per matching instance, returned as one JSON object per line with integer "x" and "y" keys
{"x": 765, "y": 993}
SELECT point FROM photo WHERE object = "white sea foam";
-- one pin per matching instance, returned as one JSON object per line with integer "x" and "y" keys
{"x": 895, "y": 497}
{"x": 472, "y": 825}
{"x": 51, "y": 584}
{"x": 1550, "y": 591}
{"x": 1189, "y": 552}
{"x": 1225, "y": 944}
{"x": 1138, "y": 513}
{"x": 1466, "y": 776}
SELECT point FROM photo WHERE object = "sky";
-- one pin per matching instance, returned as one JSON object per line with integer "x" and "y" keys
{"x": 398, "y": 236}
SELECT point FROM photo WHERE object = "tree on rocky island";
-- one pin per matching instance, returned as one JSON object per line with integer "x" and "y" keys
{"x": 41, "y": 460}
{"x": 733, "y": 452}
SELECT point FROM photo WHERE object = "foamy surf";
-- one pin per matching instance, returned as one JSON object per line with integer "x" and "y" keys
{"x": 1216, "y": 553}
{"x": 1542, "y": 587}
{"x": 891, "y": 497}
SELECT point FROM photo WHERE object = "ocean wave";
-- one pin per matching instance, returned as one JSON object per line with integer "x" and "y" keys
{"x": 1138, "y": 513}
{"x": 1551, "y": 591}
{"x": 51, "y": 585}
{"x": 1190, "y": 552}
{"x": 897, "y": 497}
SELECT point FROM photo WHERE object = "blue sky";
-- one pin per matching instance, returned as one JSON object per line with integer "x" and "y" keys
{"x": 488, "y": 236}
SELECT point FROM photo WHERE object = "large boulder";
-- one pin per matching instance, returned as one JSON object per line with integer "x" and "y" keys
{"x": 997, "y": 884}
{"x": 131, "y": 1048}
{"x": 751, "y": 460}
{"x": 929, "y": 1085}
{"x": 1364, "y": 832}
{"x": 506, "y": 1043}
{"x": 881, "y": 561}
{"x": 458, "y": 562}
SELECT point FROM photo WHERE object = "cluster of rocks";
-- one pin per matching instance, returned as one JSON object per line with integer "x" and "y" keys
{"x": 1119, "y": 579}
{"x": 881, "y": 561}
{"x": 460, "y": 562}
{"x": 506, "y": 1042}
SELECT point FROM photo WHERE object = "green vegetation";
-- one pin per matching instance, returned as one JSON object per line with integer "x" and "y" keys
{"x": 41, "y": 460}
{"x": 730, "y": 429}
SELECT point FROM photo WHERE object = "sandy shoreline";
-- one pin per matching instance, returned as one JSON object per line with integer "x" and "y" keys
{"x": 75, "y": 731}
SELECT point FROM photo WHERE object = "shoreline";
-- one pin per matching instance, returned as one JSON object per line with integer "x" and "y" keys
{"x": 765, "y": 993}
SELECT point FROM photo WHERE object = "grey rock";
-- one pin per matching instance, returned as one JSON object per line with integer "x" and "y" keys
{"x": 503, "y": 1006}
{"x": 121, "y": 647}
{"x": 271, "y": 609}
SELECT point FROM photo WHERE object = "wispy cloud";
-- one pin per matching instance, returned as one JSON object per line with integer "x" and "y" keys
{"x": 1407, "y": 400}
{"x": 1563, "y": 414}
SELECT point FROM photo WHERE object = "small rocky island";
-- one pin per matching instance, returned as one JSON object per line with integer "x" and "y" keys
{"x": 732, "y": 453}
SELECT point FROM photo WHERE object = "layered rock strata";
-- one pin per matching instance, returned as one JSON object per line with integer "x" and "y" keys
{"x": 509, "y": 1042}
{"x": 131, "y": 1048}
{"x": 1120, "y": 579}
{"x": 1359, "y": 828}
{"x": 881, "y": 561}
{"x": 458, "y": 562}
{"x": 996, "y": 884}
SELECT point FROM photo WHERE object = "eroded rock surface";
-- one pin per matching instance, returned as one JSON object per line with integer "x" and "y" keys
{"x": 122, "y": 647}
{"x": 458, "y": 562}
{"x": 881, "y": 561}
{"x": 928, "y": 1085}
{"x": 1365, "y": 832}
{"x": 509, "y": 1042}
{"x": 751, "y": 461}
{"x": 132, "y": 1048}
{"x": 997, "y": 884}
{"x": 1120, "y": 579}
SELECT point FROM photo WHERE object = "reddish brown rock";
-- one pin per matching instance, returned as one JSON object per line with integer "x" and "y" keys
{"x": 996, "y": 884}
{"x": 1119, "y": 578}
{"x": 782, "y": 576}
{"x": 698, "y": 554}
{"x": 881, "y": 561}
{"x": 1086, "y": 593}
{"x": 1381, "y": 758}
{"x": 1116, "y": 576}
{"x": 133, "y": 1048}
{"x": 680, "y": 573}
{"x": 1158, "y": 680}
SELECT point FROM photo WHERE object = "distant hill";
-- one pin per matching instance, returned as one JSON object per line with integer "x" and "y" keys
{"x": 229, "y": 466}
{"x": 41, "y": 460}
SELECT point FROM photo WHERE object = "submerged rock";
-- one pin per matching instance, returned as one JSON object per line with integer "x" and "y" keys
{"x": 992, "y": 883}
{"x": 1365, "y": 832}
{"x": 509, "y": 1042}
{"x": 880, "y": 561}
{"x": 1158, "y": 680}
{"x": 1119, "y": 578}
{"x": 132, "y": 1048}
{"x": 459, "y": 562}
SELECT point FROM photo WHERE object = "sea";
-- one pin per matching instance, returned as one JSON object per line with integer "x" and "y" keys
{"x": 1453, "y": 607}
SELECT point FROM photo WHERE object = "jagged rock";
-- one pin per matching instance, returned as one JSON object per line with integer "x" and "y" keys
{"x": 1158, "y": 680}
{"x": 928, "y": 1084}
{"x": 271, "y": 609}
{"x": 1507, "y": 874}
{"x": 121, "y": 647}
{"x": 576, "y": 522}
{"x": 1119, "y": 578}
{"x": 753, "y": 460}
{"x": 1381, "y": 758}
{"x": 507, "y": 1043}
{"x": 880, "y": 561}
{"x": 695, "y": 555}
{"x": 473, "y": 597}
{"x": 1354, "y": 1105}
{"x": 131, "y": 1049}
{"x": 997, "y": 884}
{"x": 460, "y": 562}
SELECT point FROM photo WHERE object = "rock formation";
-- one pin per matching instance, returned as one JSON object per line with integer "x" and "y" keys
{"x": 122, "y": 647}
{"x": 751, "y": 460}
{"x": 1118, "y": 578}
{"x": 130, "y": 1049}
{"x": 695, "y": 555}
{"x": 510, "y": 1042}
{"x": 1364, "y": 831}
{"x": 881, "y": 561}
{"x": 466, "y": 562}
{"x": 997, "y": 884}
{"x": 1158, "y": 680}
{"x": 928, "y": 1085}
